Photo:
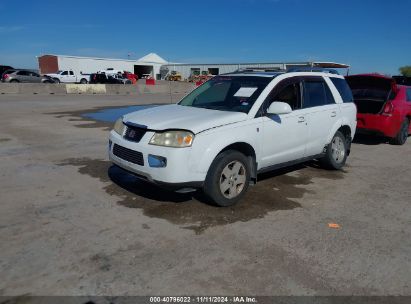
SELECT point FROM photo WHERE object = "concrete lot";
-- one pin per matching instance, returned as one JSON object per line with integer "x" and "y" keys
{"x": 71, "y": 225}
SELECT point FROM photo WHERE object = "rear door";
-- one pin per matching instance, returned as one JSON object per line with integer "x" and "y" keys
{"x": 72, "y": 77}
{"x": 34, "y": 77}
{"x": 23, "y": 76}
{"x": 322, "y": 113}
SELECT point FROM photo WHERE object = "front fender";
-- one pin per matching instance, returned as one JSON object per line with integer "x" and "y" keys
{"x": 210, "y": 143}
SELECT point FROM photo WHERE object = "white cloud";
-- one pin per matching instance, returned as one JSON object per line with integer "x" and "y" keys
{"x": 10, "y": 29}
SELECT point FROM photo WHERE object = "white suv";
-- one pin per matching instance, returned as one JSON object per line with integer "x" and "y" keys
{"x": 234, "y": 126}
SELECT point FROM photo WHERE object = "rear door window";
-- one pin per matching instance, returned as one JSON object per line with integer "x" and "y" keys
{"x": 71, "y": 73}
{"x": 343, "y": 88}
{"x": 23, "y": 73}
{"x": 409, "y": 95}
{"x": 316, "y": 93}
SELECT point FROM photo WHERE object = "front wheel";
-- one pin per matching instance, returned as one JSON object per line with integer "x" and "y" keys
{"x": 402, "y": 135}
{"x": 336, "y": 152}
{"x": 228, "y": 178}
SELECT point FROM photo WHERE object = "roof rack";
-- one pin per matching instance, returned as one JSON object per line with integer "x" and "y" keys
{"x": 260, "y": 69}
{"x": 312, "y": 69}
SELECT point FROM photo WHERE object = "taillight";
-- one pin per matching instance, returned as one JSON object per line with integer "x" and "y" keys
{"x": 5, "y": 76}
{"x": 388, "y": 109}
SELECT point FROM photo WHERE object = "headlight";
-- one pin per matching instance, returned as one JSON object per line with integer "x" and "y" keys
{"x": 119, "y": 126}
{"x": 176, "y": 139}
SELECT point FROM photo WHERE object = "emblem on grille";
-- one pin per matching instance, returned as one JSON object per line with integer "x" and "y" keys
{"x": 131, "y": 133}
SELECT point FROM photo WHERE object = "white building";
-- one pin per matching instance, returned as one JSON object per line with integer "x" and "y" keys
{"x": 187, "y": 69}
{"x": 147, "y": 65}
{"x": 156, "y": 67}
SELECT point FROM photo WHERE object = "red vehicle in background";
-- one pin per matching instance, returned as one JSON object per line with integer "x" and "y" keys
{"x": 130, "y": 76}
{"x": 383, "y": 106}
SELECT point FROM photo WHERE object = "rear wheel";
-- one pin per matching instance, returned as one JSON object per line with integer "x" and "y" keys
{"x": 56, "y": 80}
{"x": 228, "y": 178}
{"x": 14, "y": 81}
{"x": 83, "y": 81}
{"x": 402, "y": 135}
{"x": 336, "y": 152}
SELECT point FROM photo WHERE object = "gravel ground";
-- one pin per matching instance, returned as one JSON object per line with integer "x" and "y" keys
{"x": 70, "y": 224}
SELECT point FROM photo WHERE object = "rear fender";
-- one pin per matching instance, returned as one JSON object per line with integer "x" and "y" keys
{"x": 341, "y": 122}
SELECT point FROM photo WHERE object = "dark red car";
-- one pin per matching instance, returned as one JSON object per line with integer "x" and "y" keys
{"x": 383, "y": 106}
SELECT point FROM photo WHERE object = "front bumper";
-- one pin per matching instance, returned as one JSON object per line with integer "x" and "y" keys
{"x": 180, "y": 171}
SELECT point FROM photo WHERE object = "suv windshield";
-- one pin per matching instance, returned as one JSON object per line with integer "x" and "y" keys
{"x": 227, "y": 93}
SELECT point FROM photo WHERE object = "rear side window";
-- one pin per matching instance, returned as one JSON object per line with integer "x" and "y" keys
{"x": 343, "y": 88}
{"x": 409, "y": 95}
{"x": 64, "y": 73}
{"x": 23, "y": 73}
{"x": 316, "y": 93}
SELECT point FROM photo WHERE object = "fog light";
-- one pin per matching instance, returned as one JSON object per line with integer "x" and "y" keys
{"x": 157, "y": 161}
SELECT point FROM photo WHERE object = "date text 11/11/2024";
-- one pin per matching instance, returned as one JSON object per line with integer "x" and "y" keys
{"x": 203, "y": 299}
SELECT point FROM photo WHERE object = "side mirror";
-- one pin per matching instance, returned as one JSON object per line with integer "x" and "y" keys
{"x": 278, "y": 107}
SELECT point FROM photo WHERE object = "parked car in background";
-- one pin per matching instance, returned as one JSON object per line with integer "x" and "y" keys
{"x": 384, "y": 107}
{"x": 402, "y": 80}
{"x": 132, "y": 77}
{"x": 234, "y": 126}
{"x": 69, "y": 76}
{"x": 110, "y": 71}
{"x": 109, "y": 79}
{"x": 15, "y": 76}
{"x": 4, "y": 68}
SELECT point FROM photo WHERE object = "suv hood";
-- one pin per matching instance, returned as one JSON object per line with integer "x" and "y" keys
{"x": 182, "y": 117}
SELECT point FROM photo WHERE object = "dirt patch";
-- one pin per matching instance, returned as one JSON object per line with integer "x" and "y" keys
{"x": 4, "y": 139}
{"x": 275, "y": 191}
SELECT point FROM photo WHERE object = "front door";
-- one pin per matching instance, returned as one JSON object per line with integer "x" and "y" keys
{"x": 284, "y": 136}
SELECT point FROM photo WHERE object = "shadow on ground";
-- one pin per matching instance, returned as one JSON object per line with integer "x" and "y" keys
{"x": 370, "y": 140}
{"x": 275, "y": 191}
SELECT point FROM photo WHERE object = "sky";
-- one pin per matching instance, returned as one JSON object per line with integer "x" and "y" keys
{"x": 370, "y": 35}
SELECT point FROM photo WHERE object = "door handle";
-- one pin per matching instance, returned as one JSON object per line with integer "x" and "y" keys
{"x": 333, "y": 113}
{"x": 301, "y": 119}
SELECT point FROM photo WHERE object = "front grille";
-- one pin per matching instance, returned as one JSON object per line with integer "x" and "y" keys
{"x": 134, "y": 133}
{"x": 129, "y": 155}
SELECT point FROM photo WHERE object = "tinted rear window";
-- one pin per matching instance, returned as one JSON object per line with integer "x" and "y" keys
{"x": 316, "y": 93}
{"x": 409, "y": 95}
{"x": 343, "y": 88}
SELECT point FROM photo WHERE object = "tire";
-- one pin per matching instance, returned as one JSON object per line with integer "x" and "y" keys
{"x": 336, "y": 152}
{"x": 230, "y": 171}
{"x": 83, "y": 81}
{"x": 402, "y": 135}
{"x": 56, "y": 80}
{"x": 14, "y": 81}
